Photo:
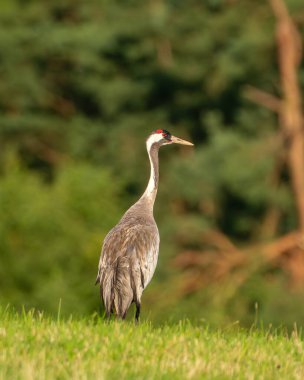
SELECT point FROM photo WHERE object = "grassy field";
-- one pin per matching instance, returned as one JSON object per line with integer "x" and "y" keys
{"x": 36, "y": 347}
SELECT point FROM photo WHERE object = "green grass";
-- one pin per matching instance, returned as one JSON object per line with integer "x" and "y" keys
{"x": 37, "y": 347}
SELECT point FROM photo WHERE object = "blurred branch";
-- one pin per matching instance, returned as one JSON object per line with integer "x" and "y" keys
{"x": 290, "y": 107}
{"x": 224, "y": 258}
{"x": 263, "y": 98}
{"x": 286, "y": 33}
{"x": 44, "y": 152}
{"x": 291, "y": 117}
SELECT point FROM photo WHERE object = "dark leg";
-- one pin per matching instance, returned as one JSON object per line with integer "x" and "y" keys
{"x": 137, "y": 312}
{"x": 108, "y": 314}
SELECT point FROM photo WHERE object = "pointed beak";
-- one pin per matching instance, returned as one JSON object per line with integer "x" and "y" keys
{"x": 177, "y": 140}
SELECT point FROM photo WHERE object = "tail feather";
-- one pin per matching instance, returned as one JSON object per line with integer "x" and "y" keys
{"x": 106, "y": 290}
{"x": 120, "y": 285}
{"x": 123, "y": 293}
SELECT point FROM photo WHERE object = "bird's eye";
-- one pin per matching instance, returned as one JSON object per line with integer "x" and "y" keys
{"x": 166, "y": 135}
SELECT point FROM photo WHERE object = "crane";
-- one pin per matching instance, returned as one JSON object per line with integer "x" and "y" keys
{"x": 130, "y": 250}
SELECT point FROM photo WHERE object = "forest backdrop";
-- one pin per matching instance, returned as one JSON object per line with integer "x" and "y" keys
{"x": 83, "y": 83}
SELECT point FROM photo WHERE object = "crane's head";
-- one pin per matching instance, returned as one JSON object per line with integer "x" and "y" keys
{"x": 163, "y": 137}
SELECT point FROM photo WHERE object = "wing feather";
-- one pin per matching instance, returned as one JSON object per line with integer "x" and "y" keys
{"x": 127, "y": 263}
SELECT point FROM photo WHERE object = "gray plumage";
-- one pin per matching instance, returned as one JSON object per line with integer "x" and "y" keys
{"x": 130, "y": 250}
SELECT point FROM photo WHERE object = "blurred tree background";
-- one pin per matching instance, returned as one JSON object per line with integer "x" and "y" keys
{"x": 82, "y": 84}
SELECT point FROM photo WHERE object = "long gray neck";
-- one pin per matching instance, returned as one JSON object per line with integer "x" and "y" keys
{"x": 150, "y": 193}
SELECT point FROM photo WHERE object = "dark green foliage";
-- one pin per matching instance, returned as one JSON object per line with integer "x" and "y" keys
{"x": 51, "y": 236}
{"x": 81, "y": 86}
